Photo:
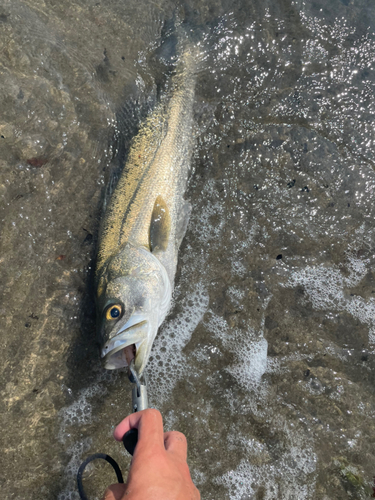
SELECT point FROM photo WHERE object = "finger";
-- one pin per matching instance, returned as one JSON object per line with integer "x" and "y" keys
{"x": 175, "y": 442}
{"x": 149, "y": 424}
{"x": 114, "y": 492}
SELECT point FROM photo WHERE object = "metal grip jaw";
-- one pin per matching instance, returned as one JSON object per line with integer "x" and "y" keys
{"x": 139, "y": 391}
{"x": 139, "y": 398}
{"x": 139, "y": 403}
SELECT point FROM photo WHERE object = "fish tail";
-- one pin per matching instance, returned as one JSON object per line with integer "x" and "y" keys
{"x": 190, "y": 60}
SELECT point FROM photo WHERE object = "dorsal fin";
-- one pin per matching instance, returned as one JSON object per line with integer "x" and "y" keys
{"x": 160, "y": 226}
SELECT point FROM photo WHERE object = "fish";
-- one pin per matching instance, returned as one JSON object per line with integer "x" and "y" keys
{"x": 143, "y": 226}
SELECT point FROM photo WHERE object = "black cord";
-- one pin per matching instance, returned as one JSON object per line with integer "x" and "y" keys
{"x": 109, "y": 459}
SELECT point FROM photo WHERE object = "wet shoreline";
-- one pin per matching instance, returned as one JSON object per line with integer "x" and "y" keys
{"x": 266, "y": 360}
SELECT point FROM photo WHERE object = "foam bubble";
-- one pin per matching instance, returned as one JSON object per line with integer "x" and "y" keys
{"x": 251, "y": 362}
{"x": 76, "y": 451}
{"x": 325, "y": 287}
{"x": 249, "y": 347}
{"x": 297, "y": 463}
{"x": 167, "y": 363}
{"x": 80, "y": 411}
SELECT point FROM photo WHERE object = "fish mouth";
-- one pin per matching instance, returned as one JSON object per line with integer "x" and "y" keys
{"x": 121, "y": 349}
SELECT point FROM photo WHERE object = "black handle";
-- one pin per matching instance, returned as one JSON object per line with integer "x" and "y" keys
{"x": 130, "y": 440}
{"x": 109, "y": 459}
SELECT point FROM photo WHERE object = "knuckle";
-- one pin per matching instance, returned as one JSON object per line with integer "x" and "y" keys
{"x": 114, "y": 492}
{"x": 108, "y": 494}
{"x": 178, "y": 436}
{"x": 154, "y": 414}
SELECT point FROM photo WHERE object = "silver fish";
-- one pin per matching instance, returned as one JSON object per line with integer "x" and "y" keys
{"x": 143, "y": 226}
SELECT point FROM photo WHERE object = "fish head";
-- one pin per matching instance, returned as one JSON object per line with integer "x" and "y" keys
{"x": 134, "y": 294}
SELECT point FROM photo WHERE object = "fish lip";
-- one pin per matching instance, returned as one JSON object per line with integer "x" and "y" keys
{"x": 118, "y": 342}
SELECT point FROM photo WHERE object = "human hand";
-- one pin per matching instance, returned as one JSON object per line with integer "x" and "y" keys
{"x": 159, "y": 470}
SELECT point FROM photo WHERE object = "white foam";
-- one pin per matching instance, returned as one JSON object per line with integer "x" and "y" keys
{"x": 167, "y": 363}
{"x": 326, "y": 288}
{"x": 76, "y": 452}
{"x": 79, "y": 412}
{"x": 251, "y": 362}
{"x": 296, "y": 464}
{"x": 249, "y": 347}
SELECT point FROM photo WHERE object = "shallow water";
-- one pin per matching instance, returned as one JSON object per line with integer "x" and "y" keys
{"x": 266, "y": 361}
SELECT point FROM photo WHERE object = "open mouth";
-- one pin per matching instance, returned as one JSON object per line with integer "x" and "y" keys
{"x": 120, "y": 359}
{"x": 121, "y": 349}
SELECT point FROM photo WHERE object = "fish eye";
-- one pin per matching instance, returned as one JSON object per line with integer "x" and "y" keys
{"x": 113, "y": 312}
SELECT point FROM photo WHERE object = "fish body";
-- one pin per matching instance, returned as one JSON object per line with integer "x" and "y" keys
{"x": 143, "y": 227}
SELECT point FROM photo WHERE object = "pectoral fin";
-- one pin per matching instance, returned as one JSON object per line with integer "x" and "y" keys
{"x": 160, "y": 227}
